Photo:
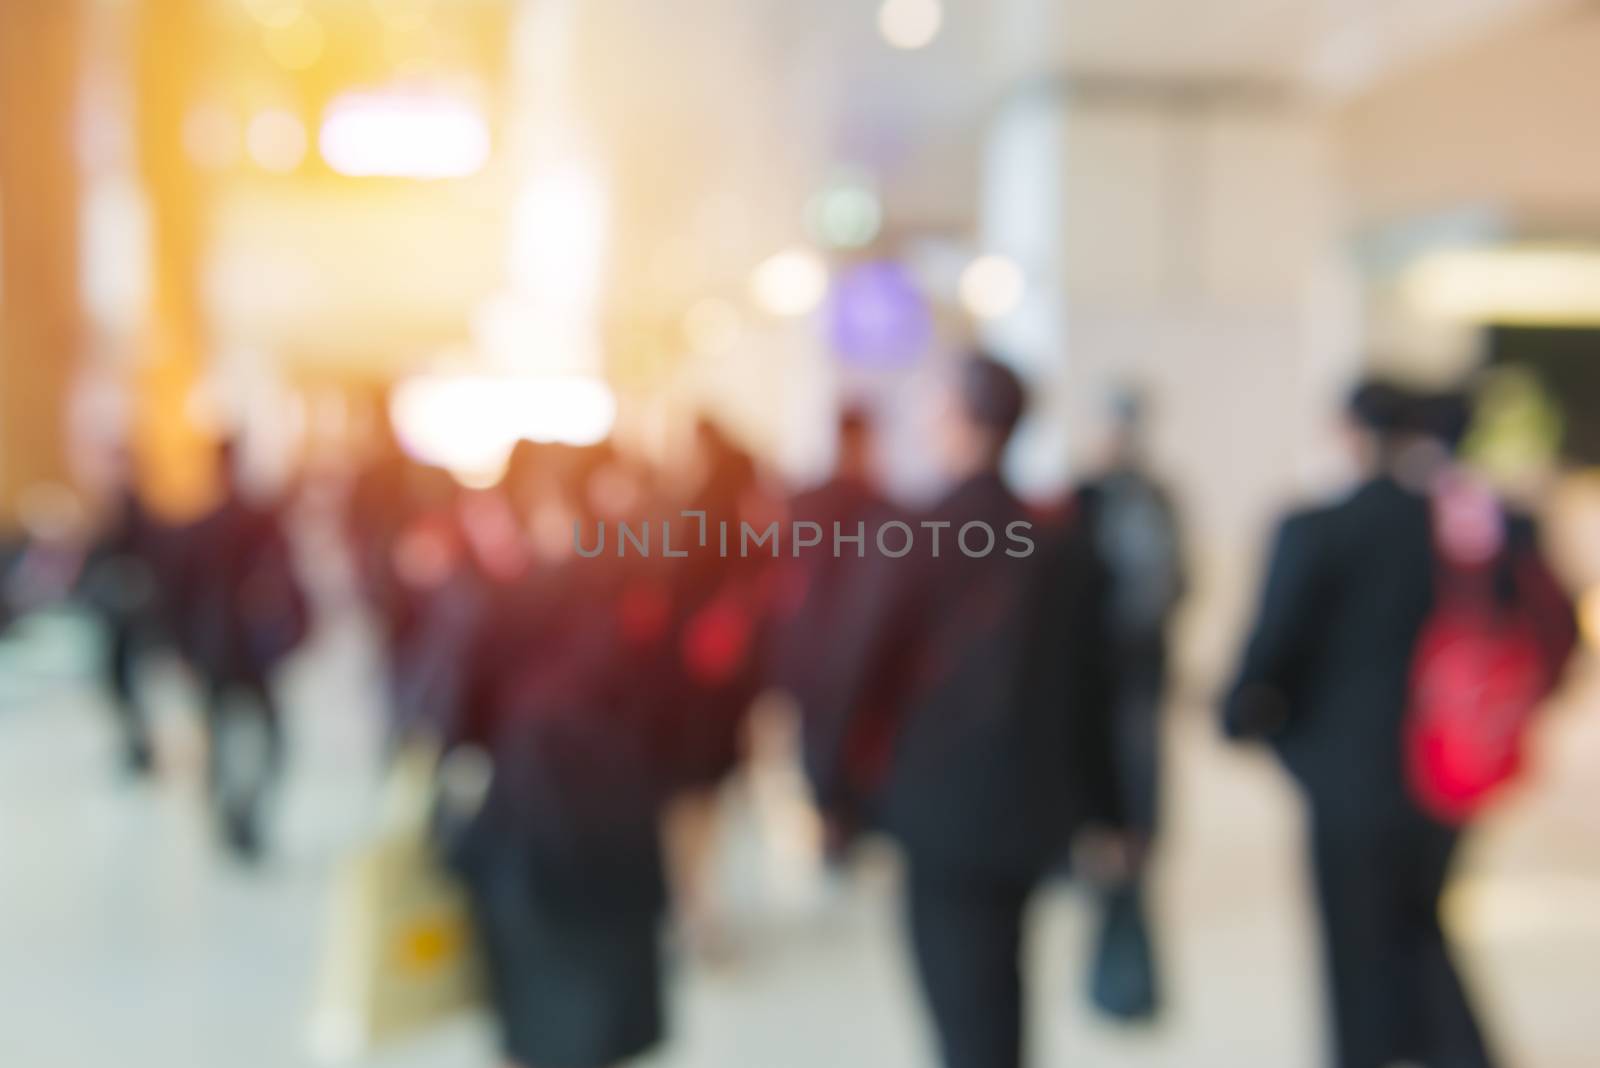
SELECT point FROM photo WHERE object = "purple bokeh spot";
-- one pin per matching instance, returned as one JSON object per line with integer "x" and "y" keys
{"x": 877, "y": 316}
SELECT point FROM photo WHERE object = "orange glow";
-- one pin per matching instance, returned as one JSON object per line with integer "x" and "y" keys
{"x": 277, "y": 140}
{"x": 296, "y": 44}
{"x": 1589, "y": 616}
{"x": 275, "y": 14}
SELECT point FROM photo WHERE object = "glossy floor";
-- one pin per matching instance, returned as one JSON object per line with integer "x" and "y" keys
{"x": 125, "y": 940}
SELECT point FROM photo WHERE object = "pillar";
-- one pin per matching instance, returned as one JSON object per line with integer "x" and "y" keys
{"x": 41, "y": 320}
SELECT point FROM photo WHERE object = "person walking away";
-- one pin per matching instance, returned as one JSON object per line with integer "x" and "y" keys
{"x": 1329, "y": 679}
{"x": 817, "y": 593}
{"x": 240, "y": 611}
{"x": 1137, "y": 534}
{"x": 121, "y": 584}
{"x": 720, "y": 599}
{"x": 980, "y": 733}
{"x": 562, "y": 861}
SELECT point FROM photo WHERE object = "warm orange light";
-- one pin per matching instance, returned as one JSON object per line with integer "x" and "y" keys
{"x": 1589, "y": 617}
{"x": 211, "y": 137}
{"x": 275, "y": 13}
{"x": 403, "y": 14}
{"x": 276, "y": 140}
{"x": 295, "y": 44}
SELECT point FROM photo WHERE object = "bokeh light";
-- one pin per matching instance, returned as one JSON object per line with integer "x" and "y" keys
{"x": 211, "y": 137}
{"x": 992, "y": 286}
{"x": 560, "y": 225}
{"x": 792, "y": 282}
{"x": 878, "y": 316}
{"x": 403, "y": 14}
{"x": 910, "y": 24}
{"x": 469, "y": 423}
{"x": 845, "y": 213}
{"x": 1517, "y": 428}
{"x": 276, "y": 140}
{"x": 275, "y": 13}
{"x": 296, "y": 45}
{"x": 403, "y": 135}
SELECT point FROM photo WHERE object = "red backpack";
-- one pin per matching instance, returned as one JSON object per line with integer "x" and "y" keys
{"x": 1481, "y": 668}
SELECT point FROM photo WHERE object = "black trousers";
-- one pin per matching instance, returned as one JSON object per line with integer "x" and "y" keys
{"x": 1395, "y": 993}
{"x": 245, "y": 752}
{"x": 572, "y": 984}
{"x": 1141, "y": 677}
{"x": 125, "y": 643}
{"x": 966, "y": 942}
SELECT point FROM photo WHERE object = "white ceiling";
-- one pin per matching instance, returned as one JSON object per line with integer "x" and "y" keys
{"x": 715, "y": 119}
{"x": 722, "y": 114}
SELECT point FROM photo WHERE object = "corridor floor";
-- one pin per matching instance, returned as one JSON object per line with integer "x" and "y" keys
{"x": 126, "y": 940}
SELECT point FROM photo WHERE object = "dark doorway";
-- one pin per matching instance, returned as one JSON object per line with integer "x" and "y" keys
{"x": 1567, "y": 361}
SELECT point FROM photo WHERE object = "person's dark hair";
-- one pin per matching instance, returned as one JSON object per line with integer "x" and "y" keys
{"x": 855, "y": 423}
{"x": 992, "y": 395}
{"x": 1381, "y": 407}
{"x": 228, "y": 452}
{"x": 1444, "y": 417}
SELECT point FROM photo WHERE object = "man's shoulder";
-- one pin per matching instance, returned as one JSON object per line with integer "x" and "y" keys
{"x": 1312, "y": 522}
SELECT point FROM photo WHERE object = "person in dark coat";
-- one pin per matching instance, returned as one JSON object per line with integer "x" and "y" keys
{"x": 121, "y": 584}
{"x": 405, "y": 542}
{"x": 853, "y": 492}
{"x": 819, "y": 591}
{"x": 238, "y": 610}
{"x": 1136, "y": 532}
{"x": 980, "y": 735}
{"x": 719, "y": 597}
{"x": 1325, "y": 681}
{"x": 562, "y": 862}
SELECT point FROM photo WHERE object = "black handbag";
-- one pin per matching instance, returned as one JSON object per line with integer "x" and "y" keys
{"x": 1123, "y": 984}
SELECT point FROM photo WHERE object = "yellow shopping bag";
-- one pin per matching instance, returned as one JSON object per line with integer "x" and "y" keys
{"x": 400, "y": 955}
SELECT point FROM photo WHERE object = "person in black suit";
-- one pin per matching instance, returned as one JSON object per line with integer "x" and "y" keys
{"x": 980, "y": 719}
{"x": 1325, "y": 681}
{"x": 121, "y": 584}
{"x": 1138, "y": 535}
{"x": 852, "y": 493}
{"x": 562, "y": 858}
{"x": 818, "y": 592}
{"x": 238, "y": 610}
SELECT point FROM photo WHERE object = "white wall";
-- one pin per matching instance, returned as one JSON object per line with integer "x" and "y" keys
{"x": 1193, "y": 251}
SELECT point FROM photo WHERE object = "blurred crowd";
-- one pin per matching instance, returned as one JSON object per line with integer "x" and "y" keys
{"x": 579, "y": 646}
